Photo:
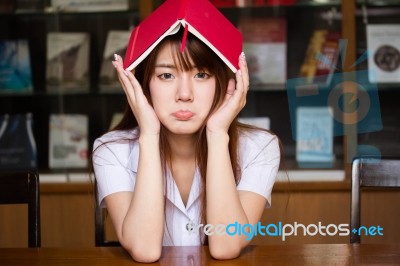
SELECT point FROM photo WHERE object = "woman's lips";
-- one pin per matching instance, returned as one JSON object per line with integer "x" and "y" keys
{"x": 183, "y": 115}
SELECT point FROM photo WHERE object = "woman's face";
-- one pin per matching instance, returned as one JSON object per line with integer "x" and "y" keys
{"x": 181, "y": 99}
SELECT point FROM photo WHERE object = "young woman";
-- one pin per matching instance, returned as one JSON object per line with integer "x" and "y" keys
{"x": 187, "y": 161}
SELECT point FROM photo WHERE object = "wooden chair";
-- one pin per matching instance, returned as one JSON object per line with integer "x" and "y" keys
{"x": 100, "y": 217}
{"x": 370, "y": 173}
{"x": 23, "y": 188}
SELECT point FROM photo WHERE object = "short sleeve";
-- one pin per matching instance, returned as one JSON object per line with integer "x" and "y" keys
{"x": 259, "y": 160}
{"x": 113, "y": 168}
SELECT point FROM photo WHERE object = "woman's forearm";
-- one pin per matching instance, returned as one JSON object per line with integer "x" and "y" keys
{"x": 143, "y": 225}
{"x": 223, "y": 202}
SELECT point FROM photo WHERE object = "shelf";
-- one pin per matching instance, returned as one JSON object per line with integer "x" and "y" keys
{"x": 376, "y": 11}
{"x": 280, "y": 186}
{"x": 33, "y": 13}
{"x": 328, "y": 186}
{"x": 300, "y": 3}
{"x": 267, "y": 88}
{"x": 269, "y": 100}
{"x": 304, "y": 175}
{"x": 40, "y": 94}
{"x": 377, "y": 3}
{"x": 311, "y": 176}
{"x": 65, "y": 177}
{"x": 318, "y": 3}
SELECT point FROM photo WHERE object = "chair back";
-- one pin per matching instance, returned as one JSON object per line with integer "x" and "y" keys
{"x": 23, "y": 188}
{"x": 372, "y": 173}
{"x": 100, "y": 217}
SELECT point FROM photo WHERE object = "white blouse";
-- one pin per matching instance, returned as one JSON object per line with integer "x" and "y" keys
{"x": 115, "y": 164}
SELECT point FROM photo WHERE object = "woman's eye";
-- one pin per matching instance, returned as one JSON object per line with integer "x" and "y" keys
{"x": 166, "y": 76}
{"x": 202, "y": 75}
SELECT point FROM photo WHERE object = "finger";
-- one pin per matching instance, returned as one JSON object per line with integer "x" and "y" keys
{"x": 123, "y": 78}
{"x": 231, "y": 88}
{"x": 121, "y": 72}
{"x": 129, "y": 93}
{"x": 242, "y": 82}
{"x": 242, "y": 75}
{"x": 241, "y": 91}
{"x": 229, "y": 91}
{"x": 239, "y": 83}
{"x": 244, "y": 71}
{"x": 137, "y": 87}
{"x": 121, "y": 61}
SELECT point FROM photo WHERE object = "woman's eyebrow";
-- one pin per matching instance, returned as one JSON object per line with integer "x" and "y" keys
{"x": 166, "y": 65}
{"x": 171, "y": 66}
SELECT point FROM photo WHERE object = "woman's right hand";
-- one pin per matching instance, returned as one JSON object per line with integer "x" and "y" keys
{"x": 148, "y": 122}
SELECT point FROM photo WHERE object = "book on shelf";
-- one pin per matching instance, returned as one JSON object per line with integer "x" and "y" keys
{"x": 314, "y": 136}
{"x": 90, "y": 5}
{"x": 67, "y": 65}
{"x": 15, "y": 66}
{"x": 200, "y": 17}
{"x": 261, "y": 122}
{"x": 68, "y": 141}
{"x": 321, "y": 57}
{"x": 327, "y": 58}
{"x": 116, "y": 43}
{"x": 383, "y": 43}
{"x": 17, "y": 142}
{"x": 264, "y": 43}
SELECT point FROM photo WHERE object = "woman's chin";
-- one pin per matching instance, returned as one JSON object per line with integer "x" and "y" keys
{"x": 185, "y": 129}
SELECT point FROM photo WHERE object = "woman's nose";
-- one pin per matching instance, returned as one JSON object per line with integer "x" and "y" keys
{"x": 185, "y": 90}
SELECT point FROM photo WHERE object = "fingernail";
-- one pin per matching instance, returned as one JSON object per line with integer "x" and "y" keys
{"x": 243, "y": 56}
{"x": 115, "y": 57}
{"x": 239, "y": 72}
{"x": 114, "y": 64}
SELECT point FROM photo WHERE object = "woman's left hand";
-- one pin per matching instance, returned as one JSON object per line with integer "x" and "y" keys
{"x": 235, "y": 100}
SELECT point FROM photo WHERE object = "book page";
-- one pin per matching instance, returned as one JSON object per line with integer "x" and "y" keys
{"x": 264, "y": 43}
{"x": 383, "y": 43}
{"x": 67, "y": 65}
{"x": 314, "y": 137}
{"x": 116, "y": 43}
{"x": 68, "y": 141}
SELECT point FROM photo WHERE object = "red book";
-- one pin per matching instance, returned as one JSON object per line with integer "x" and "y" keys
{"x": 328, "y": 58}
{"x": 200, "y": 17}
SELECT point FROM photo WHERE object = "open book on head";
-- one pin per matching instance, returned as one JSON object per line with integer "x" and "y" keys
{"x": 199, "y": 17}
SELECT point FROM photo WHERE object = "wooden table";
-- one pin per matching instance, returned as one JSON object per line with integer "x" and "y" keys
{"x": 309, "y": 254}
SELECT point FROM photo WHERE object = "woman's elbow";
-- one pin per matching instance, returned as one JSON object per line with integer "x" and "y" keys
{"x": 144, "y": 253}
{"x": 226, "y": 252}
